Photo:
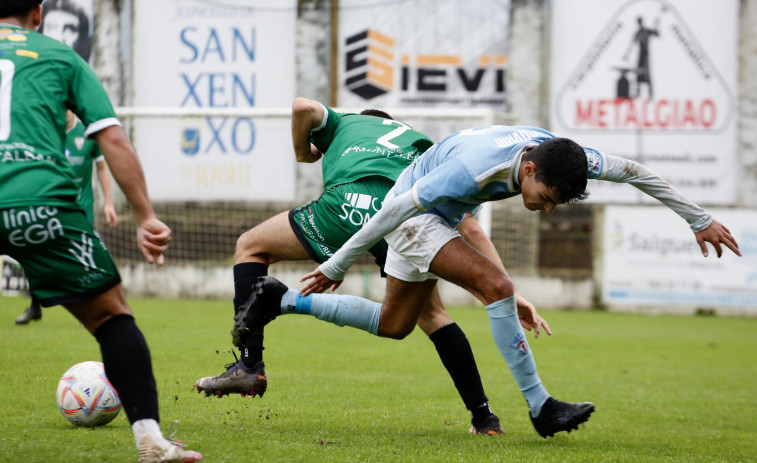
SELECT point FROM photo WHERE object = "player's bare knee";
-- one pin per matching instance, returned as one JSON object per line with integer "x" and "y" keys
{"x": 395, "y": 331}
{"x": 498, "y": 289}
{"x": 245, "y": 247}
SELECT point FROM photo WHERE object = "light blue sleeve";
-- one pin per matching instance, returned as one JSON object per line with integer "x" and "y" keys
{"x": 621, "y": 170}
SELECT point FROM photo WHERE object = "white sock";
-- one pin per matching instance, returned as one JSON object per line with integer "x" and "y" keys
{"x": 149, "y": 427}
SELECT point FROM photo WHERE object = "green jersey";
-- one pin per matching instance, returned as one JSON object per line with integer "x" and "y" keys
{"x": 356, "y": 147}
{"x": 45, "y": 77}
{"x": 81, "y": 152}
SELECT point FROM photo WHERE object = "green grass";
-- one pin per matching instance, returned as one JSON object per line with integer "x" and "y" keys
{"x": 667, "y": 389}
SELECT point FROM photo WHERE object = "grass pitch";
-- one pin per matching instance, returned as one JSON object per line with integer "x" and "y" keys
{"x": 667, "y": 389}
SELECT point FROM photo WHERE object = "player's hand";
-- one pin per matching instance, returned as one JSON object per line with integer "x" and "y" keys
{"x": 153, "y": 237}
{"x": 318, "y": 283}
{"x": 717, "y": 234}
{"x": 529, "y": 318}
{"x": 111, "y": 218}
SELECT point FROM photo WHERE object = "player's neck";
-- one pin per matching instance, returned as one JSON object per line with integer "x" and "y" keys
{"x": 13, "y": 21}
{"x": 25, "y": 23}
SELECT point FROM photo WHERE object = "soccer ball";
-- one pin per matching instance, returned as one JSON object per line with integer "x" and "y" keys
{"x": 86, "y": 397}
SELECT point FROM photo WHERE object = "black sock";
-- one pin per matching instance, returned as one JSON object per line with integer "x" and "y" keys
{"x": 456, "y": 355}
{"x": 128, "y": 367}
{"x": 245, "y": 275}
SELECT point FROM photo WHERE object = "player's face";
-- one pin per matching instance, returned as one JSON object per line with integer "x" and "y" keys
{"x": 62, "y": 26}
{"x": 537, "y": 196}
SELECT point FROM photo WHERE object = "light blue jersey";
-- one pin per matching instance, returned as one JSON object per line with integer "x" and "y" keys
{"x": 474, "y": 166}
{"x": 477, "y": 165}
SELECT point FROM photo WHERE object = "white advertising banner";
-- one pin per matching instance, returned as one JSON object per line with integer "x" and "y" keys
{"x": 654, "y": 81}
{"x": 200, "y": 54}
{"x": 423, "y": 53}
{"x": 652, "y": 259}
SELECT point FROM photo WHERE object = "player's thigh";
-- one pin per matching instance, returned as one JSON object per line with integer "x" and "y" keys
{"x": 93, "y": 312}
{"x": 269, "y": 242}
{"x": 64, "y": 259}
{"x": 460, "y": 263}
{"x": 403, "y": 305}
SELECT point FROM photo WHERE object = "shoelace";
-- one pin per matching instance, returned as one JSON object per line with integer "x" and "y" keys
{"x": 229, "y": 366}
{"x": 172, "y": 430}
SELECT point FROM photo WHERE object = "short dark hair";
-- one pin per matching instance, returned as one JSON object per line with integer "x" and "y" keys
{"x": 375, "y": 112}
{"x": 561, "y": 163}
{"x": 21, "y": 8}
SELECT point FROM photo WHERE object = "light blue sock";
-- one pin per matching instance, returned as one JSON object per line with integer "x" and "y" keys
{"x": 511, "y": 342}
{"x": 338, "y": 309}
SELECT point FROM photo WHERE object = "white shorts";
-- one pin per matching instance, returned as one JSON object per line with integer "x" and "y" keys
{"x": 414, "y": 244}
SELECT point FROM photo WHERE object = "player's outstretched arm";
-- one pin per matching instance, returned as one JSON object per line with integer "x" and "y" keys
{"x": 153, "y": 236}
{"x": 306, "y": 115}
{"x": 717, "y": 235}
{"x": 705, "y": 228}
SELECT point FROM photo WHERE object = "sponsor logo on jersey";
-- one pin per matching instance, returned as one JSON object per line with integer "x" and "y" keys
{"x": 27, "y": 53}
{"x": 595, "y": 163}
{"x": 358, "y": 208}
{"x": 32, "y": 225}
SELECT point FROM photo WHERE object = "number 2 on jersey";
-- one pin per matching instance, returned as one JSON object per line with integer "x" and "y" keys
{"x": 7, "y": 69}
{"x": 385, "y": 140}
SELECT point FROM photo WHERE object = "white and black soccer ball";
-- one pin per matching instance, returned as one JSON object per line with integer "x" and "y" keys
{"x": 86, "y": 397}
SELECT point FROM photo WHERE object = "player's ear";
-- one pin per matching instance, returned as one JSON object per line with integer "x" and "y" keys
{"x": 530, "y": 168}
{"x": 37, "y": 16}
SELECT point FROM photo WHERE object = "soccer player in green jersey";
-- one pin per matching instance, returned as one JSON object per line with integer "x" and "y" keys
{"x": 362, "y": 155}
{"x": 44, "y": 228}
{"x": 81, "y": 153}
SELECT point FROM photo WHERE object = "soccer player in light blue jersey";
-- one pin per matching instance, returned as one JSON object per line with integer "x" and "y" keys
{"x": 418, "y": 221}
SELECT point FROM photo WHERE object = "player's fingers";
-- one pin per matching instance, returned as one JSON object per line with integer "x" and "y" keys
{"x": 309, "y": 276}
{"x": 307, "y": 289}
{"x": 702, "y": 246}
{"x": 160, "y": 260}
{"x": 545, "y": 325}
{"x": 154, "y": 248}
{"x": 718, "y": 248}
{"x": 147, "y": 255}
{"x": 161, "y": 237}
{"x": 731, "y": 244}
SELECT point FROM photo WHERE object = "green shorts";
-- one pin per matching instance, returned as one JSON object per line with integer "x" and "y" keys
{"x": 64, "y": 259}
{"x": 324, "y": 225}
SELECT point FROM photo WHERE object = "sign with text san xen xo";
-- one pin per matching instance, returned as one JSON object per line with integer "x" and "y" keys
{"x": 201, "y": 55}
{"x": 653, "y": 81}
